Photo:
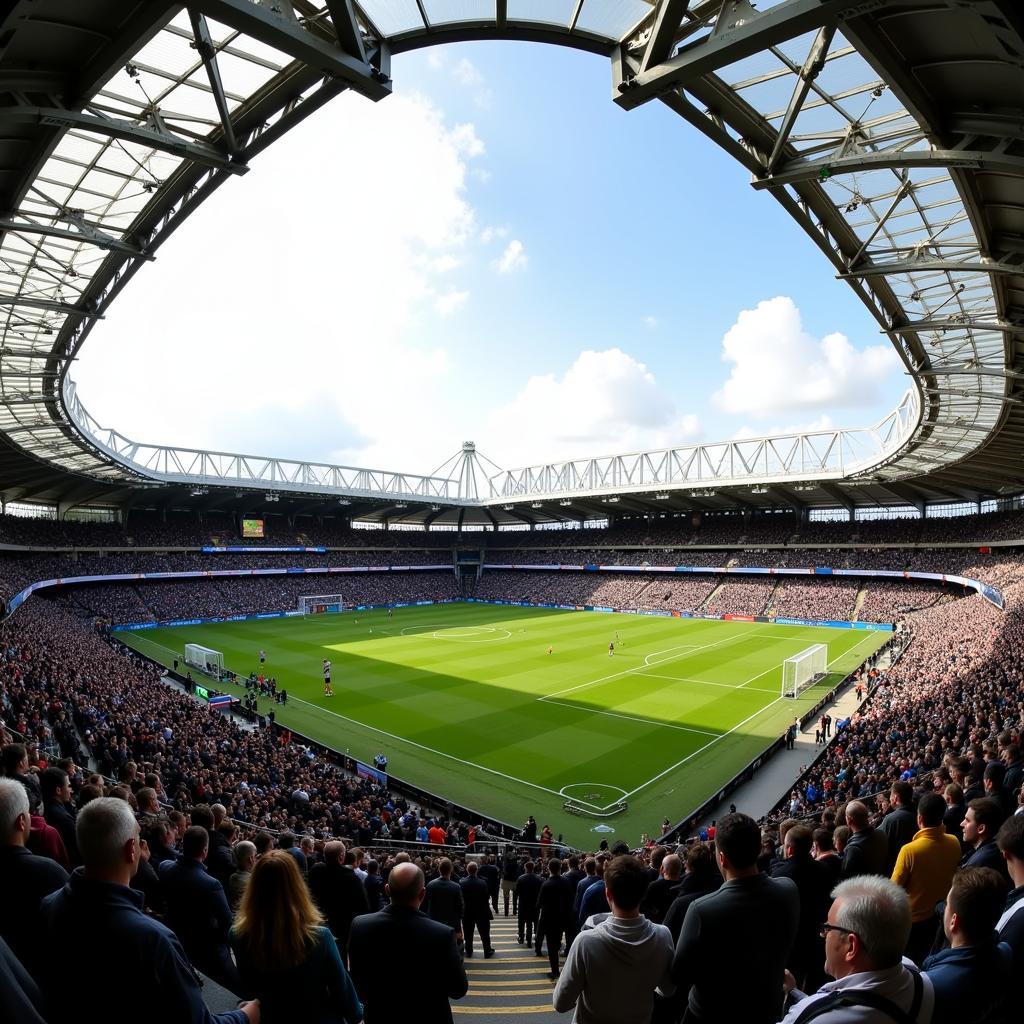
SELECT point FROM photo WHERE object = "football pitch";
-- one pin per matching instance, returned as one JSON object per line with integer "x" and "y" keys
{"x": 466, "y": 701}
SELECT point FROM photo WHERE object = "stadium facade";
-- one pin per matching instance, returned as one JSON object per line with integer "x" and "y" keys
{"x": 886, "y": 130}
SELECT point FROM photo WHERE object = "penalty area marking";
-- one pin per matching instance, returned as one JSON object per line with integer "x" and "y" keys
{"x": 588, "y": 785}
{"x": 441, "y": 632}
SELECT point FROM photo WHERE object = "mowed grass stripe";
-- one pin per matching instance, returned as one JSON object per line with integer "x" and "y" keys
{"x": 476, "y": 703}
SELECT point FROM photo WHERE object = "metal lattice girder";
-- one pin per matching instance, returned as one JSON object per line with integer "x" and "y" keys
{"x": 300, "y": 43}
{"x": 932, "y": 265}
{"x": 739, "y": 32}
{"x": 154, "y": 135}
{"x": 84, "y": 236}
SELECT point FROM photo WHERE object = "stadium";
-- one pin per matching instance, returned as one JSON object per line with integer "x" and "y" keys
{"x": 773, "y": 664}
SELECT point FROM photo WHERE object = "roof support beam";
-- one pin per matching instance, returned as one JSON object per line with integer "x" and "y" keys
{"x": 48, "y": 304}
{"x": 88, "y": 235}
{"x": 299, "y": 43}
{"x": 343, "y": 16}
{"x": 932, "y": 265}
{"x": 663, "y": 33}
{"x": 808, "y": 73}
{"x": 739, "y": 32}
{"x": 208, "y": 54}
{"x": 151, "y": 136}
{"x": 957, "y": 323}
{"x": 836, "y": 494}
{"x": 828, "y": 167}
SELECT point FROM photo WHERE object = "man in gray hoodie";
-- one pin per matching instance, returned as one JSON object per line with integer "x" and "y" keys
{"x": 618, "y": 959}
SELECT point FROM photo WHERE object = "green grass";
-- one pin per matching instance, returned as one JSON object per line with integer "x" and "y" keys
{"x": 468, "y": 704}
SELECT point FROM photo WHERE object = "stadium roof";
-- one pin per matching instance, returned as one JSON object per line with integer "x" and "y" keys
{"x": 893, "y": 133}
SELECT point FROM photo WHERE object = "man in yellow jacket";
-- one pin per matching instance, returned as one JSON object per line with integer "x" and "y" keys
{"x": 925, "y": 868}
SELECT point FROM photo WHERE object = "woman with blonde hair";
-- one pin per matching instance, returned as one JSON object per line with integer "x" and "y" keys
{"x": 286, "y": 957}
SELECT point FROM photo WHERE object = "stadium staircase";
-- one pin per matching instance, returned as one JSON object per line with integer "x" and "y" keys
{"x": 513, "y": 983}
{"x": 862, "y": 596}
{"x": 707, "y": 600}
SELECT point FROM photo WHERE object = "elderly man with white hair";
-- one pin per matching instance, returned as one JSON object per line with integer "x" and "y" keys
{"x": 866, "y": 932}
{"x": 97, "y": 910}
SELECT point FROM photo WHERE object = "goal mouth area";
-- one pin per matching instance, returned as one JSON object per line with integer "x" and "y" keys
{"x": 804, "y": 670}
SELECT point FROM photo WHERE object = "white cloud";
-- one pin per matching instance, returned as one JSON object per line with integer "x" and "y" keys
{"x": 651, "y": 321}
{"x": 466, "y": 140}
{"x": 513, "y": 258}
{"x": 319, "y": 327}
{"x": 466, "y": 73}
{"x": 490, "y": 233}
{"x": 780, "y": 370}
{"x": 450, "y": 301}
{"x": 605, "y": 402}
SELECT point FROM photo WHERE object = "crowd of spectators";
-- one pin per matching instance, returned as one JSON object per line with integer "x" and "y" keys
{"x": 829, "y": 599}
{"x": 750, "y": 596}
{"x": 933, "y": 754}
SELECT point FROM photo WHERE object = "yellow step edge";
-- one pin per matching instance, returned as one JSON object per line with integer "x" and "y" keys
{"x": 477, "y": 982}
{"x": 459, "y": 1010}
{"x": 506, "y": 994}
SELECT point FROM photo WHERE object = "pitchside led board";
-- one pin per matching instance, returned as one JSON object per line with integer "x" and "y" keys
{"x": 252, "y": 528}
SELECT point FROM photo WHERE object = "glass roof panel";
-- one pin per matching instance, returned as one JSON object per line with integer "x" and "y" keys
{"x": 442, "y": 11}
{"x": 612, "y": 18}
{"x": 548, "y": 12}
{"x": 394, "y": 16}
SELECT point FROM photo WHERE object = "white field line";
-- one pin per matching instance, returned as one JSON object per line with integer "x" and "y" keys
{"x": 635, "y": 718}
{"x": 689, "y": 757}
{"x": 705, "y": 682}
{"x": 431, "y": 750}
{"x": 669, "y": 650}
{"x": 640, "y": 668}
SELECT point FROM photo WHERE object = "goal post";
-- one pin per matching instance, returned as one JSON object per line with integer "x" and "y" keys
{"x": 206, "y": 659}
{"x": 315, "y": 604}
{"x": 804, "y": 670}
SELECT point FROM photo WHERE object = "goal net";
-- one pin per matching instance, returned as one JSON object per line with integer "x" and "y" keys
{"x": 206, "y": 659}
{"x": 804, "y": 669}
{"x": 314, "y": 604}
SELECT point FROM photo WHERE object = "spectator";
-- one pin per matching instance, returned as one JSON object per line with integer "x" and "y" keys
{"x": 528, "y": 886}
{"x": 972, "y": 977}
{"x": 400, "y": 938}
{"x": 19, "y": 994}
{"x": 197, "y": 909}
{"x": 374, "y": 886}
{"x": 825, "y": 854}
{"x": 24, "y": 877}
{"x": 811, "y": 883}
{"x": 1010, "y": 926}
{"x": 56, "y": 789}
{"x": 510, "y": 872}
{"x": 492, "y": 877}
{"x": 865, "y": 852}
{"x": 554, "y": 905}
{"x": 339, "y": 894}
{"x": 661, "y": 892}
{"x": 14, "y": 757}
{"x": 956, "y": 810}
{"x": 925, "y": 869}
{"x": 617, "y": 961}
{"x": 286, "y": 957}
{"x": 866, "y": 932}
{"x": 97, "y": 910}
{"x": 443, "y": 901}
{"x": 700, "y": 877}
{"x": 980, "y": 826}
{"x": 245, "y": 858}
{"x": 899, "y": 826}
{"x": 476, "y": 910}
{"x": 752, "y": 921}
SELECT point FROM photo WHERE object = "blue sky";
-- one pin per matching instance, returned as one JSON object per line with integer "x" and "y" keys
{"x": 498, "y": 253}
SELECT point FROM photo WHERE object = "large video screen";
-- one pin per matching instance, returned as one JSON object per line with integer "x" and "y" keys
{"x": 252, "y": 527}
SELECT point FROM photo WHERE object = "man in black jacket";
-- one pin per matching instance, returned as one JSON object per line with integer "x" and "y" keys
{"x": 56, "y": 789}
{"x": 24, "y": 878}
{"x": 808, "y": 953}
{"x": 489, "y": 872}
{"x": 405, "y": 966}
{"x": 339, "y": 894}
{"x": 528, "y": 887}
{"x": 476, "y": 911}
{"x": 747, "y": 926}
{"x": 444, "y": 901}
{"x": 661, "y": 892}
{"x": 197, "y": 909}
{"x": 865, "y": 853}
{"x": 899, "y": 826}
{"x": 980, "y": 825}
{"x": 554, "y": 902}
